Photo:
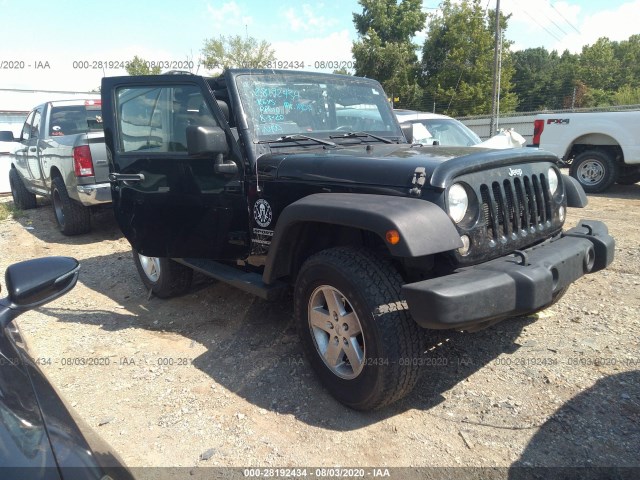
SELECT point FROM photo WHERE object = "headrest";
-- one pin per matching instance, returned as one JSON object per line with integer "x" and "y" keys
{"x": 225, "y": 108}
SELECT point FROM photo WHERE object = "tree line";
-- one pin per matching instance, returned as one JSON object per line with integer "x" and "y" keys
{"x": 451, "y": 72}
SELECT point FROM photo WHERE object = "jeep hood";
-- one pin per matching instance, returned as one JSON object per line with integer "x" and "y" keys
{"x": 390, "y": 165}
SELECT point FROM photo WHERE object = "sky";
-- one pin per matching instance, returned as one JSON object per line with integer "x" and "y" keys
{"x": 70, "y": 45}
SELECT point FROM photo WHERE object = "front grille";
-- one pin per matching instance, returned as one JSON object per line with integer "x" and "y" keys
{"x": 517, "y": 205}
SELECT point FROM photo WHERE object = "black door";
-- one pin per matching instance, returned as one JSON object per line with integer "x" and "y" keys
{"x": 169, "y": 203}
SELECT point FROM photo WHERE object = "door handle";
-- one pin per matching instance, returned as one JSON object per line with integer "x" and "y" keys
{"x": 126, "y": 177}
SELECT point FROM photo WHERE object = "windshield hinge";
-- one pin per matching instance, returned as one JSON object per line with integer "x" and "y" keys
{"x": 419, "y": 178}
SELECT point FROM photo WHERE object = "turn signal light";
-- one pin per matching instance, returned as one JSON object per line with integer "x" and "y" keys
{"x": 393, "y": 237}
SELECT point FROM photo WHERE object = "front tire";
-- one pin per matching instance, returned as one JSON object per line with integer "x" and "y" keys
{"x": 72, "y": 217}
{"x": 164, "y": 277}
{"x": 355, "y": 329}
{"x": 596, "y": 170}
{"x": 22, "y": 198}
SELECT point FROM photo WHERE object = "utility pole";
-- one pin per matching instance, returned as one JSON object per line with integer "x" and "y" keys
{"x": 497, "y": 56}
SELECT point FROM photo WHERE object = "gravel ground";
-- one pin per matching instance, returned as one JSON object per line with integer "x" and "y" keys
{"x": 217, "y": 377}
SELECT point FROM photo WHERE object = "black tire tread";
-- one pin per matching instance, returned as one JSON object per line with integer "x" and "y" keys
{"x": 403, "y": 338}
{"x": 77, "y": 217}
{"x": 22, "y": 198}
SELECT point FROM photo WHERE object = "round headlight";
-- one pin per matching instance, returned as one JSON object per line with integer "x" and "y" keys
{"x": 458, "y": 202}
{"x": 553, "y": 180}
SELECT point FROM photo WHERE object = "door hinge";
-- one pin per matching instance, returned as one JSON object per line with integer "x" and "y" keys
{"x": 419, "y": 178}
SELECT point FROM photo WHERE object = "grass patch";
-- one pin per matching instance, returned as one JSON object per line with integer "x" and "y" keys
{"x": 8, "y": 209}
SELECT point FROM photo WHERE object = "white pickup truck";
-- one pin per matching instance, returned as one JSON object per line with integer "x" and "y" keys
{"x": 61, "y": 154}
{"x": 600, "y": 148}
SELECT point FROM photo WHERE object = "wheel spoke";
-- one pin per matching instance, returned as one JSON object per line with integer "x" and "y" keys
{"x": 319, "y": 318}
{"x": 354, "y": 354}
{"x": 334, "y": 301}
{"x": 333, "y": 354}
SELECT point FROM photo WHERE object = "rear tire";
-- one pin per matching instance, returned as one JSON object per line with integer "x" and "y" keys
{"x": 22, "y": 198}
{"x": 164, "y": 277}
{"x": 72, "y": 217}
{"x": 355, "y": 329}
{"x": 596, "y": 170}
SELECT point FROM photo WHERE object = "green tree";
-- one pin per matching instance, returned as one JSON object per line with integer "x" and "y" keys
{"x": 236, "y": 51}
{"x": 628, "y": 54}
{"x": 457, "y": 60}
{"x": 627, "y": 95}
{"x": 599, "y": 66}
{"x": 139, "y": 66}
{"x": 532, "y": 77}
{"x": 569, "y": 91}
{"x": 545, "y": 80}
{"x": 385, "y": 50}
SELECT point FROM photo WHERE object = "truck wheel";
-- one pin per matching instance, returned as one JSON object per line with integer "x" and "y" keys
{"x": 355, "y": 329}
{"x": 596, "y": 170}
{"x": 22, "y": 198}
{"x": 72, "y": 217}
{"x": 164, "y": 277}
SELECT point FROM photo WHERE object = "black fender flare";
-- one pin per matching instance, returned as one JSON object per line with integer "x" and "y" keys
{"x": 423, "y": 226}
{"x": 576, "y": 197}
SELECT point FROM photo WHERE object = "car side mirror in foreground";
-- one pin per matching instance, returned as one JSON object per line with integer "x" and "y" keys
{"x": 33, "y": 283}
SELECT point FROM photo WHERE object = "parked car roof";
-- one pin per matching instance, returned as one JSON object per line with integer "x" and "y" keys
{"x": 436, "y": 129}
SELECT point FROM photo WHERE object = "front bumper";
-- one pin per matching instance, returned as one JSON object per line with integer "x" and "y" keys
{"x": 512, "y": 285}
{"x": 95, "y": 194}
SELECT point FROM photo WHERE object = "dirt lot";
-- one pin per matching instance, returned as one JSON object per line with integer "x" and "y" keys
{"x": 217, "y": 378}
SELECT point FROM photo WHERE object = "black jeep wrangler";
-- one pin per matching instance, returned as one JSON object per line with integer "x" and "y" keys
{"x": 277, "y": 179}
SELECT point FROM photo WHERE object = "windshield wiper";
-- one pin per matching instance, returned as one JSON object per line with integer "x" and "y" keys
{"x": 361, "y": 134}
{"x": 295, "y": 137}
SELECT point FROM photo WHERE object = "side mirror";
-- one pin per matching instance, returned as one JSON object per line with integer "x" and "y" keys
{"x": 203, "y": 140}
{"x": 207, "y": 141}
{"x": 33, "y": 283}
{"x": 7, "y": 136}
{"x": 407, "y": 129}
{"x": 227, "y": 167}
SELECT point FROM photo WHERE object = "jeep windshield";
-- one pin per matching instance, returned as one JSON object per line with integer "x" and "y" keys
{"x": 290, "y": 106}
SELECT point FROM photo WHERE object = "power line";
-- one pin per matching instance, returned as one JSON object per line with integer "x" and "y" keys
{"x": 552, "y": 21}
{"x": 540, "y": 25}
{"x": 559, "y": 13}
